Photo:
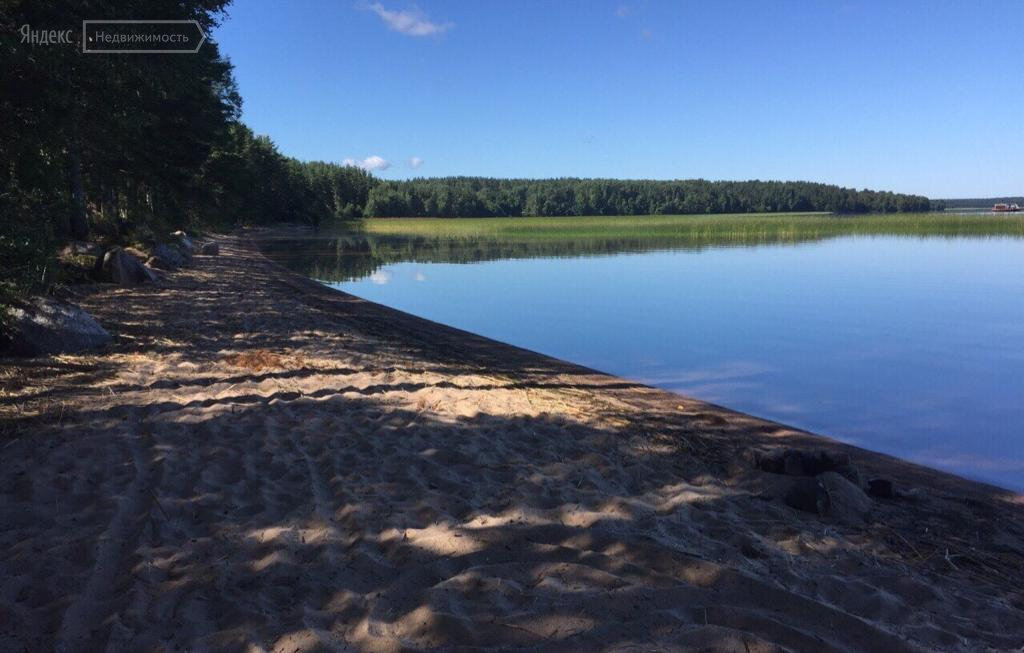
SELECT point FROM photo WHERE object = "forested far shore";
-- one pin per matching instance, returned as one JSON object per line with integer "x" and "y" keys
{"x": 488, "y": 197}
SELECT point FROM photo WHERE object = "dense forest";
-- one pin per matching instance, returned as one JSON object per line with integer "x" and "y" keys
{"x": 483, "y": 197}
{"x": 128, "y": 148}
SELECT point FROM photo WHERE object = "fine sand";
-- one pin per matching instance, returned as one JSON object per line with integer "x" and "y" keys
{"x": 258, "y": 463}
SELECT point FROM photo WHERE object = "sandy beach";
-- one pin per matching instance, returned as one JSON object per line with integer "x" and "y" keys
{"x": 260, "y": 463}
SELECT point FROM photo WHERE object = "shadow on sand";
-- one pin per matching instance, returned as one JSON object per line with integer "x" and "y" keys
{"x": 404, "y": 486}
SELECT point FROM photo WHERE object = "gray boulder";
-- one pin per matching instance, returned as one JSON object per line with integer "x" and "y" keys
{"x": 847, "y": 502}
{"x": 48, "y": 326}
{"x": 883, "y": 488}
{"x": 796, "y": 462}
{"x": 807, "y": 494}
{"x": 136, "y": 253}
{"x": 122, "y": 268}
{"x": 211, "y": 249}
{"x": 829, "y": 494}
{"x": 166, "y": 257}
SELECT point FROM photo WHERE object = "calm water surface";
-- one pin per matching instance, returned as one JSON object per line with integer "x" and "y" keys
{"x": 912, "y": 346}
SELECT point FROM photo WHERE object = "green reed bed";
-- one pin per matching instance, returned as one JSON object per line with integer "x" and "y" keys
{"x": 745, "y": 227}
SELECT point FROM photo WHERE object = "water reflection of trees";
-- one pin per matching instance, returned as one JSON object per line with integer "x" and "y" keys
{"x": 351, "y": 256}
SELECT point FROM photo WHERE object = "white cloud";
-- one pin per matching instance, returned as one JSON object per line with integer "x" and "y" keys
{"x": 369, "y": 163}
{"x": 411, "y": 22}
{"x": 415, "y": 162}
{"x": 623, "y": 11}
{"x": 419, "y": 276}
{"x": 380, "y": 277}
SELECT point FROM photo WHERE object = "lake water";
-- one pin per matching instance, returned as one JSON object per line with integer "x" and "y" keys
{"x": 911, "y": 346}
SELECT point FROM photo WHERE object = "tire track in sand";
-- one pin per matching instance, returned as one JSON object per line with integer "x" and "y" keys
{"x": 86, "y": 610}
{"x": 323, "y": 507}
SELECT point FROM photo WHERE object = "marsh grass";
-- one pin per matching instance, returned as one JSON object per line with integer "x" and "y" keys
{"x": 359, "y": 249}
{"x": 739, "y": 228}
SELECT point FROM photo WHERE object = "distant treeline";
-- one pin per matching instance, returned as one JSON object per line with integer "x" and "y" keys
{"x": 485, "y": 197}
{"x": 250, "y": 182}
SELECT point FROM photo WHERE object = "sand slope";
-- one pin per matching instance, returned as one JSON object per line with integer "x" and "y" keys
{"x": 260, "y": 464}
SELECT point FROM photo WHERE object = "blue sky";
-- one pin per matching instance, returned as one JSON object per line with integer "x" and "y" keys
{"x": 919, "y": 97}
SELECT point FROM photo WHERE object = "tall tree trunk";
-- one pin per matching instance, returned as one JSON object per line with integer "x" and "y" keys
{"x": 79, "y": 221}
{"x": 107, "y": 201}
{"x": 109, "y": 195}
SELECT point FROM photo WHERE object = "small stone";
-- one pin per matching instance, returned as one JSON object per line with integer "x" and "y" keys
{"x": 794, "y": 462}
{"x": 829, "y": 495}
{"x": 846, "y": 501}
{"x": 807, "y": 494}
{"x": 184, "y": 242}
{"x": 882, "y": 488}
{"x": 819, "y": 462}
{"x": 166, "y": 257}
{"x": 210, "y": 249}
{"x": 122, "y": 268}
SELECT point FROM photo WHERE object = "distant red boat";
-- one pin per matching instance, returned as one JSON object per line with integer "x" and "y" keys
{"x": 1005, "y": 208}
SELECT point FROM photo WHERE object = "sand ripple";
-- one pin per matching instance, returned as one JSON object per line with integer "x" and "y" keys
{"x": 371, "y": 487}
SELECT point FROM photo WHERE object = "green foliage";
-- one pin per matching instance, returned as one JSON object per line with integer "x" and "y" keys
{"x": 27, "y": 243}
{"x": 250, "y": 182}
{"x": 132, "y": 147}
{"x": 485, "y": 197}
{"x": 101, "y": 144}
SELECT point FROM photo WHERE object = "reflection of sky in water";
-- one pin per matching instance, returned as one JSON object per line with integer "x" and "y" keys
{"x": 910, "y": 346}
